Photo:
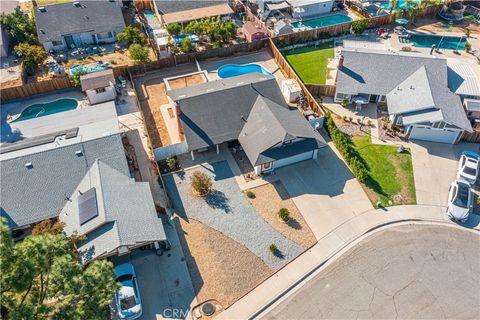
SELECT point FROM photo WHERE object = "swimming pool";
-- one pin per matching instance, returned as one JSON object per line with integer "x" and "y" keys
{"x": 443, "y": 42}
{"x": 45, "y": 109}
{"x": 232, "y": 70}
{"x": 322, "y": 21}
{"x": 98, "y": 67}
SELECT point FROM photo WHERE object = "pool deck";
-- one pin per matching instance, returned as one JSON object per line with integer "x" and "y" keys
{"x": 12, "y": 109}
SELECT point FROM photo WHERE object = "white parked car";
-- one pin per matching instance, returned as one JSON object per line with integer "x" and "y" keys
{"x": 468, "y": 167}
{"x": 127, "y": 299}
{"x": 460, "y": 201}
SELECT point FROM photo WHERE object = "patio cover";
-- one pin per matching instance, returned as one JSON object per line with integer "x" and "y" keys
{"x": 195, "y": 14}
{"x": 278, "y": 6}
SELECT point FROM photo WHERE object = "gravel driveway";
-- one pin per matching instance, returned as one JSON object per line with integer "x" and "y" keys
{"x": 226, "y": 210}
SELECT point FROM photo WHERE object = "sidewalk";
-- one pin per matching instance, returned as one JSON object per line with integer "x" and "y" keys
{"x": 328, "y": 246}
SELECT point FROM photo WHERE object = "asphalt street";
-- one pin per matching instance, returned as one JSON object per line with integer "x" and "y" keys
{"x": 406, "y": 272}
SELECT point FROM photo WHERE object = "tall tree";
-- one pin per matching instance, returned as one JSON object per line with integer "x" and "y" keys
{"x": 33, "y": 55}
{"x": 41, "y": 278}
{"x": 131, "y": 35}
{"x": 174, "y": 29}
{"x": 21, "y": 28}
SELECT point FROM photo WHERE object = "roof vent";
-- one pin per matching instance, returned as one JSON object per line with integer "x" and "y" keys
{"x": 77, "y": 4}
{"x": 412, "y": 87}
{"x": 29, "y": 165}
{"x": 42, "y": 9}
{"x": 85, "y": 18}
{"x": 79, "y": 153}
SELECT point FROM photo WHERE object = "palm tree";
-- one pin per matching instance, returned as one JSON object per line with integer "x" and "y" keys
{"x": 393, "y": 4}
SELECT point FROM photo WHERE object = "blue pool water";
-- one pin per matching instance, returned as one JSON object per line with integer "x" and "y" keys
{"x": 232, "y": 70}
{"x": 426, "y": 41}
{"x": 322, "y": 21}
{"x": 401, "y": 3}
{"x": 98, "y": 67}
{"x": 45, "y": 109}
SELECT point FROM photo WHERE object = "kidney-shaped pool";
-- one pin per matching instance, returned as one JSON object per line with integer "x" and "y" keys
{"x": 45, "y": 109}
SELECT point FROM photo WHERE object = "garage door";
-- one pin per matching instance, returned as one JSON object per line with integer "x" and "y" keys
{"x": 435, "y": 135}
{"x": 293, "y": 159}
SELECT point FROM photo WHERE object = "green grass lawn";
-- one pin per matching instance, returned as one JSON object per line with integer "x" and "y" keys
{"x": 391, "y": 173}
{"x": 310, "y": 63}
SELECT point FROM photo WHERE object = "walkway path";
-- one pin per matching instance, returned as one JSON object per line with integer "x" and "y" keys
{"x": 328, "y": 247}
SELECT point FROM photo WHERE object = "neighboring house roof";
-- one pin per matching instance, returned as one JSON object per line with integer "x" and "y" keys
{"x": 39, "y": 192}
{"x": 169, "y": 6}
{"x": 68, "y": 18}
{"x": 281, "y": 27}
{"x": 252, "y": 28}
{"x": 462, "y": 80}
{"x": 121, "y": 212}
{"x": 278, "y": 6}
{"x": 411, "y": 82}
{"x": 269, "y": 126}
{"x": 302, "y": 3}
{"x": 219, "y": 111}
{"x": 199, "y": 13}
{"x": 8, "y": 6}
{"x": 472, "y": 105}
{"x": 96, "y": 80}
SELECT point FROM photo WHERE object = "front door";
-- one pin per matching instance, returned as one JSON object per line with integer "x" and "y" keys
{"x": 69, "y": 41}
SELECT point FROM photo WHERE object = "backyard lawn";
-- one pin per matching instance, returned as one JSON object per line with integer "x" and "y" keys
{"x": 310, "y": 63}
{"x": 391, "y": 173}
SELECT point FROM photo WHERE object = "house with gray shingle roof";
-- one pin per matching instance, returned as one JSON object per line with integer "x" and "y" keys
{"x": 414, "y": 87}
{"x": 250, "y": 110}
{"x": 75, "y": 24}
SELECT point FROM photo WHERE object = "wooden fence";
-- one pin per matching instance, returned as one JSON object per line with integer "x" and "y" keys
{"x": 321, "y": 90}
{"x": 31, "y": 89}
{"x": 472, "y": 137}
{"x": 290, "y": 73}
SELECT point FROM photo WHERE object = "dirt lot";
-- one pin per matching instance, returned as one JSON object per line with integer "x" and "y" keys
{"x": 268, "y": 200}
{"x": 220, "y": 268}
{"x": 155, "y": 97}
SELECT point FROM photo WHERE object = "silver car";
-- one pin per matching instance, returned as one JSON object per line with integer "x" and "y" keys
{"x": 460, "y": 201}
{"x": 468, "y": 167}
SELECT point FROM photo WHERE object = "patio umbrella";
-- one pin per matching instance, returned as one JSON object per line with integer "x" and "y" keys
{"x": 402, "y": 21}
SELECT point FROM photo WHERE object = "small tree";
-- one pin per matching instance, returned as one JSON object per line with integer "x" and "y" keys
{"x": 344, "y": 102}
{"x": 131, "y": 35}
{"x": 359, "y": 26}
{"x": 20, "y": 26}
{"x": 174, "y": 29}
{"x": 33, "y": 56}
{"x": 171, "y": 163}
{"x": 250, "y": 194}
{"x": 187, "y": 45}
{"x": 273, "y": 248}
{"x": 201, "y": 183}
{"x": 47, "y": 226}
{"x": 284, "y": 214}
{"x": 468, "y": 46}
{"x": 75, "y": 76}
{"x": 138, "y": 53}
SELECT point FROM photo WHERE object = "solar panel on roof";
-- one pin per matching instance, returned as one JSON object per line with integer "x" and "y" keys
{"x": 87, "y": 206}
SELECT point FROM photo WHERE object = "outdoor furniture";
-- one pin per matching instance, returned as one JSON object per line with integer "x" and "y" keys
{"x": 359, "y": 101}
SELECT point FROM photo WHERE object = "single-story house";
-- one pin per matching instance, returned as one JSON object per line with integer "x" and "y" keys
{"x": 250, "y": 110}
{"x": 74, "y": 24}
{"x": 6, "y": 7}
{"x": 78, "y": 172}
{"x": 172, "y": 11}
{"x": 414, "y": 87}
{"x": 282, "y": 27}
{"x": 99, "y": 86}
{"x": 302, "y": 9}
{"x": 254, "y": 31}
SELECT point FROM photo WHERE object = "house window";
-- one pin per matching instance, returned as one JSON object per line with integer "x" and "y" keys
{"x": 100, "y": 90}
{"x": 267, "y": 166}
{"x": 57, "y": 43}
{"x": 399, "y": 121}
{"x": 104, "y": 35}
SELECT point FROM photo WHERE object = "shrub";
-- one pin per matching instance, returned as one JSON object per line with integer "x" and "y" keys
{"x": 468, "y": 46}
{"x": 187, "y": 45}
{"x": 350, "y": 119}
{"x": 344, "y": 102}
{"x": 284, "y": 214}
{"x": 131, "y": 35}
{"x": 174, "y": 29}
{"x": 113, "y": 61}
{"x": 201, "y": 182}
{"x": 359, "y": 121}
{"x": 369, "y": 122}
{"x": 358, "y": 169}
{"x": 250, "y": 194}
{"x": 138, "y": 53}
{"x": 33, "y": 56}
{"x": 273, "y": 248}
{"x": 75, "y": 76}
{"x": 345, "y": 118}
{"x": 406, "y": 49}
{"x": 171, "y": 163}
{"x": 359, "y": 26}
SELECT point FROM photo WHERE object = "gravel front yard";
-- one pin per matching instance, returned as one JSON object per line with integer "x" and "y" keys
{"x": 268, "y": 200}
{"x": 220, "y": 268}
{"x": 226, "y": 210}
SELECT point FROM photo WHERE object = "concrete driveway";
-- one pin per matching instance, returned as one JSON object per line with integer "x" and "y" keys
{"x": 434, "y": 169}
{"x": 325, "y": 191}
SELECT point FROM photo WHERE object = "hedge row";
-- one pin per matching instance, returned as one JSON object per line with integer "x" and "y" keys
{"x": 351, "y": 156}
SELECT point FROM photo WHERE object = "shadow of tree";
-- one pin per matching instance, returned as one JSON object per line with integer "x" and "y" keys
{"x": 279, "y": 254}
{"x": 7, "y": 134}
{"x": 293, "y": 223}
{"x": 218, "y": 200}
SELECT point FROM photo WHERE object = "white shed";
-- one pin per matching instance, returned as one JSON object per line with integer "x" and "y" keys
{"x": 99, "y": 86}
